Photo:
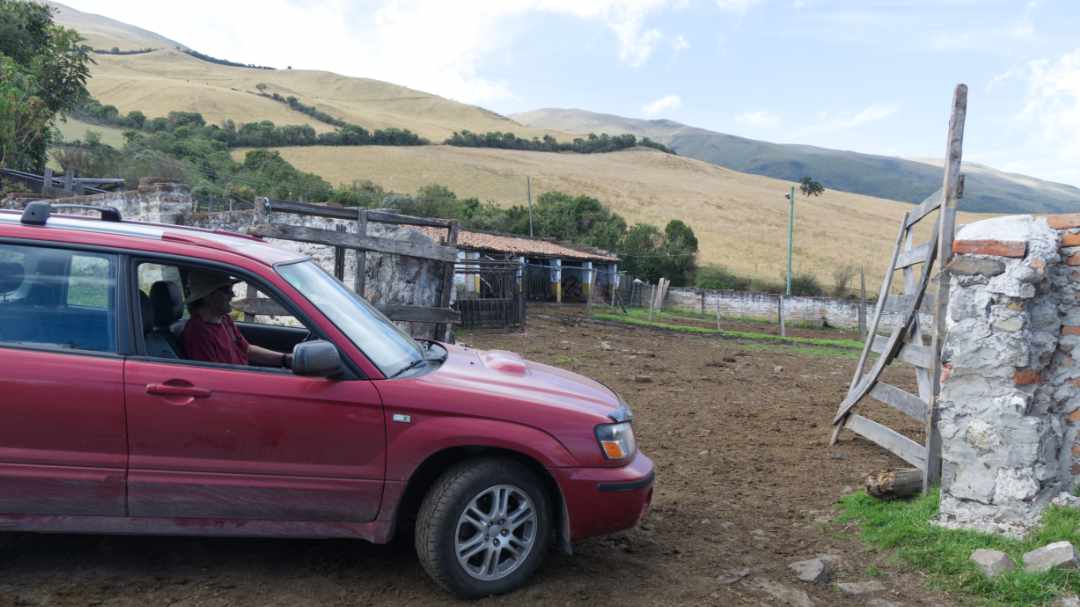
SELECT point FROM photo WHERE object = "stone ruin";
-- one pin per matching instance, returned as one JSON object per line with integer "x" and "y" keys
{"x": 389, "y": 279}
{"x": 1009, "y": 409}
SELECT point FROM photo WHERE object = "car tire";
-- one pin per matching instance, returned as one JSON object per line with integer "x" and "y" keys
{"x": 484, "y": 527}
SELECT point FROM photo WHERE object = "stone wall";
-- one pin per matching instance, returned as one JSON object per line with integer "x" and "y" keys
{"x": 390, "y": 279}
{"x": 744, "y": 304}
{"x": 1010, "y": 398}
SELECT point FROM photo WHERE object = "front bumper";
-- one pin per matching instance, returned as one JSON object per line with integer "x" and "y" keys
{"x": 605, "y": 500}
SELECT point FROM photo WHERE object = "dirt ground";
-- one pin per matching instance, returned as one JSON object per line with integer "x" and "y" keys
{"x": 745, "y": 486}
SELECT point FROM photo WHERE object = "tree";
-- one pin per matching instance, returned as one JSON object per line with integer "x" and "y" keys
{"x": 43, "y": 72}
{"x": 809, "y": 187}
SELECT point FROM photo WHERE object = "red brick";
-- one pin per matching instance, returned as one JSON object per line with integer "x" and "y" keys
{"x": 1073, "y": 260}
{"x": 1064, "y": 221}
{"x": 1075, "y": 416}
{"x": 997, "y": 248}
{"x": 946, "y": 371}
{"x": 1070, "y": 240}
{"x": 1067, "y": 330}
{"x": 1076, "y": 469}
{"x": 1076, "y": 450}
{"x": 1027, "y": 377}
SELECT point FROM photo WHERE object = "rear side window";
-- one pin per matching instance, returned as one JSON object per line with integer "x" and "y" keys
{"x": 57, "y": 298}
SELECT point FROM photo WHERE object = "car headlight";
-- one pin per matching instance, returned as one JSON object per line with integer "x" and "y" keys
{"x": 616, "y": 440}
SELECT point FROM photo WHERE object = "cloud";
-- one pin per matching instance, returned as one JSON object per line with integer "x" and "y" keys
{"x": 736, "y": 6}
{"x": 663, "y": 104}
{"x": 432, "y": 45}
{"x": 759, "y": 119}
{"x": 830, "y": 122}
{"x": 679, "y": 43}
{"x": 1049, "y": 122}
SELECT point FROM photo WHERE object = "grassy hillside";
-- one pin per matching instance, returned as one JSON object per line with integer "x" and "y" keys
{"x": 987, "y": 190}
{"x": 740, "y": 219}
{"x": 105, "y": 33}
{"x": 76, "y": 130}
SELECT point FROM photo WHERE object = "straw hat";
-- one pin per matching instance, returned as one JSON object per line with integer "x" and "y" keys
{"x": 202, "y": 283}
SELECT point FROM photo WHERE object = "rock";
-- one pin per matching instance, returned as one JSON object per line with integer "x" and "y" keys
{"x": 965, "y": 264}
{"x": 881, "y": 603}
{"x": 1067, "y": 601}
{"x": 642, "y": 379}
{"x": 730, "y": 577}
{"x": 816, "y": 571}
{"x": 605, "y": 346}
{"x": 861, "y": 587}
{"x": 778, "y": 369}
{"x": 1066, "y": 500}
{"x": 785, "y": 594}
{"x": 1059, "y": 555}
{"x": 992, "y": 563}
{"x": 839, "y": 456}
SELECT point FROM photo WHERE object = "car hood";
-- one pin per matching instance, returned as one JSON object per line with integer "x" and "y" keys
{"x": 510, "y": 378}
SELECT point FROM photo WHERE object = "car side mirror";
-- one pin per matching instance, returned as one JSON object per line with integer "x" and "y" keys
{"x": 318, "y": 358}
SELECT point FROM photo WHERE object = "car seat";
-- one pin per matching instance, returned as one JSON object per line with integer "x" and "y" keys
{"x": 167, "y": 307}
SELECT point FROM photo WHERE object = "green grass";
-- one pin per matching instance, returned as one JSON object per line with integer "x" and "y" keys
{"x": 633, "y": 319}
{"x": 904, "y": 527}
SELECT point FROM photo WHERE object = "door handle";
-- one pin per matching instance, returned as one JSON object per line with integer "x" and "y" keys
{"x": 171, "y": 390}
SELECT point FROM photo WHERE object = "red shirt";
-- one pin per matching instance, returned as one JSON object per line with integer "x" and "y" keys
{"x": 215, "y": 342}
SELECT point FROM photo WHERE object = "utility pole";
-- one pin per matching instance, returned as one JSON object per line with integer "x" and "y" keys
{"x": 790, "y": 233}
{"x": 528, "y": 194}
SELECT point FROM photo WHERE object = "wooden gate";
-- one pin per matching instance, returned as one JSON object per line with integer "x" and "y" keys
{"x": 911, "y": 340}
{"x": 492, "y": 296}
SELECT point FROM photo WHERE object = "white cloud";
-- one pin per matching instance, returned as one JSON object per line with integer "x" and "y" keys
{"x": 1049, "y": 123}
{"x": 758, "y": 119}
{"x": 828, "y": 122}
{"x": 736, "y": 6}
{"x": 432, "y": 45}
{"x": 680, "y": 43}
{"x": 663, "y": 104}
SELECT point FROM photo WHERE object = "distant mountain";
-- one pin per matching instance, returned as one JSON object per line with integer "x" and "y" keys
{"x": 987, "y": 190}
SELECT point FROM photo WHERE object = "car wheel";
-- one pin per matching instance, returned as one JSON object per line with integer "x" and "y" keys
{"x": 484, "y": 527}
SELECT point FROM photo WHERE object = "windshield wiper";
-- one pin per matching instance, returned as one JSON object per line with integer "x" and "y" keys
{"x": 432, "y": 342}
{"x": 414, "y": 364}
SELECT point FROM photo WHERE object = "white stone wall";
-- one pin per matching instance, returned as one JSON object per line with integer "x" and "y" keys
{"x": 1010, "y": 397}
{"x": 745, "y": 304}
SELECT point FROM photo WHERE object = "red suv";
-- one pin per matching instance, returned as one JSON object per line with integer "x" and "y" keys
{"x": 107, "y": 427}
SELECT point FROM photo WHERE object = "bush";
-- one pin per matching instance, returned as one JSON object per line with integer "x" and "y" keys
{"x": 842, "y": 276}
{"x": 721, "y": 278}
{"x": 805, "y": 283}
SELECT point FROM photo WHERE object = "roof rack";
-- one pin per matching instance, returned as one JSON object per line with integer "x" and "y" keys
{"x": 37, "y": 213}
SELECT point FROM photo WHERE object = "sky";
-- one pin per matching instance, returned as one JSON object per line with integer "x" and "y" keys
{"x": 873, "y": 76}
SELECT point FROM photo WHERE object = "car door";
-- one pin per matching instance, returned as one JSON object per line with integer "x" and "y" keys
{"x": 223, "y": 441}
{"x": 63, "y": 449}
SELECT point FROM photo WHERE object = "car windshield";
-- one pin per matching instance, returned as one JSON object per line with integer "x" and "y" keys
{"x": 390, "y": 348}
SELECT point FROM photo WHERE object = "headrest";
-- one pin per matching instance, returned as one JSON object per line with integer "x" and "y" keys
{"x": 167, "y": 301}
{"x": 11, "y": 277}
{"x": 147, "y": 311}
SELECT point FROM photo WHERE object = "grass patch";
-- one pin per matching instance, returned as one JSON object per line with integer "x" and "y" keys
{"x": 681, "y": 314}
{"x": 904, "y": 527}
{"x": 631, "y": 319}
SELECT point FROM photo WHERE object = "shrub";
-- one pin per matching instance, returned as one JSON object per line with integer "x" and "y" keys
{"x": 842, "y": 276}
{"x": 805, "y": 283}
{"x": 719, "y": 277}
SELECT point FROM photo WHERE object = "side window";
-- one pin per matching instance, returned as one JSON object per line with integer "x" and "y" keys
{"x": 174, "y": 328}
{"x": 57, "y": 298}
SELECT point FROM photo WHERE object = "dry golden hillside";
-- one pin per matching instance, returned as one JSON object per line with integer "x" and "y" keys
{"x": 740, "y": 219}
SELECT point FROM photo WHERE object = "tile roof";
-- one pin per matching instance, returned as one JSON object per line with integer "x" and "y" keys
{"x": 519, "y": 245}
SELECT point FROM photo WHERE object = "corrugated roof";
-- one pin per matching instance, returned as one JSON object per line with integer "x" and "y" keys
{"x": 518, "y": 245}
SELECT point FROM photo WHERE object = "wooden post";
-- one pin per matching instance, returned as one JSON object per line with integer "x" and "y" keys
{"x": 69, "y": 182}
{"x": 947, "y": 225}
{"x": 652, "y": 302}
{"x": 339, "y": 257}
{"x": 442, "y": 330}
{"x": 717, "y": 312}
{"x": 780, "y": 315}
{"x": 361, "y": 255}
{"x": 250, "y": 295}
{"x": 894, "y": 484}
{"x": 702, "y": 293}
{"x": 262, "y": 211}
{"x": 862, "y": 302}
{"x": 47, "y": 182}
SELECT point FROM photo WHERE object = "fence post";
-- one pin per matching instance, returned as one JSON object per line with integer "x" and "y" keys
{"x": 361, "y": 255}
{"x": 339, "y": 258}
{"x": 862, "y": 302}
{"x": 780, "y": 314}
{"x": 717, "y": 313}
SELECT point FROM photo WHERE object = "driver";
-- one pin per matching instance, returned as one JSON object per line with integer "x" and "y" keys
{"x": 211, "y": 335}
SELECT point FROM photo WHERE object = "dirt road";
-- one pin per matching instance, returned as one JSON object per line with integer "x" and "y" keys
{"x": 745, "y": 486}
